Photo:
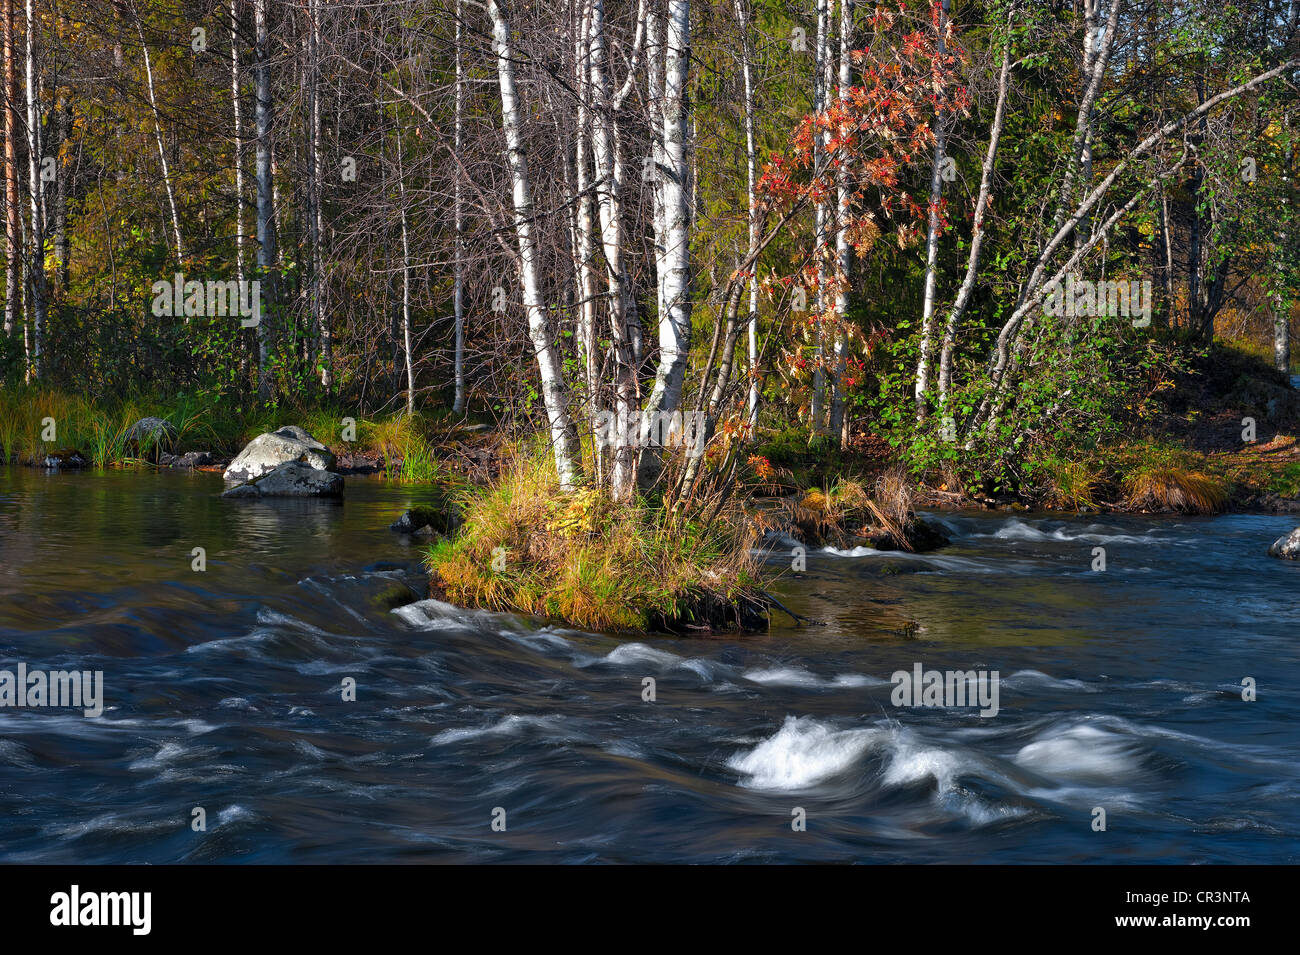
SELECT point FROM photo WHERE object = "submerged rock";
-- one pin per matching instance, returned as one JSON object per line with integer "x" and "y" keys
{"x": 426, "y": 521}
{"x": 1287, "y": 547}
{"x": 190, "y": 459}
{"x": 291, "y": 479}
{"x": 153, "y": 436}
{"x": 921, "y": 536}
{"x": 267, "y": 452}
{"x": 67, "y": 459}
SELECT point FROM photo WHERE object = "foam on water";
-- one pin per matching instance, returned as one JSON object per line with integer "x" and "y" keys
{"x": 1082, "y": 752}
{"x": 509, "y": 726}
{"x": 802, "y": 753}
{"x": 797, "y": 676}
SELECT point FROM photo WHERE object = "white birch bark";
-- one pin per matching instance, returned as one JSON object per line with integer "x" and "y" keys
{"x": 982, "y": 201}
{"x": 458, "y": 215}
{"x": 237, "y": 106}
{"x": 157, "y": 127}
{"x": 932, "y": 242}
{"x": 36, "y": 259}
{"x": 751, "y": 170}
{"x": 267, "y": 255}
{"x": 843, "y": 248}
{"x": 675, "y": 260}
{"x": 823, "y": 216}
{"x": 406, "y": 281}
{"x": 564, "y": 436}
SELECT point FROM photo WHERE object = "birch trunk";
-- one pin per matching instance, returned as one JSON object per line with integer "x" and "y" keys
{"x": 458, "y": 214}
{"x": 36, "y": 258}
{"x": 843, "y": 249}
{"x": 1281, "y": 334}
{"x": 609, "y": 196}
{"x": 674, "y": 261}
{"x": 751, "y": 169}
{"x": 157, "y": 132}
{"x": 584, "y": 220}
{"x": 654, "y": 107}
{"x": 821, "y": 242}
{"x": 406, "y": 281}
{"x": 237, "y": 106}
{"x": 267, "y": 256}
{"x": 982, "y": 202}
{"x": 13, "y": 209}
{"x": 315, "y": 218}
{"x": 932, "y": 242}
{"x": 564, "y": 436}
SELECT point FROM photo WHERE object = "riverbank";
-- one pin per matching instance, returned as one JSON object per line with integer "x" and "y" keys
{"x": 1222, "y": 439}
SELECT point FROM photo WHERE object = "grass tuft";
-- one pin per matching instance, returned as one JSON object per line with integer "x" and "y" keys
{"x": 526, "y": 546}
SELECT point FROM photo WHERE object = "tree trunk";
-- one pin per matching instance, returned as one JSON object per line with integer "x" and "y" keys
{"x": 932, "y": 241}
{"x": 982, "y": 201}
{"x": 458, "y": 214}
{"x": 751, "y": 169}
{"x": 237, "y": 106}
{"x": 406, "y": 280}
{"x": 158, "y": 138}
{"x": 1281, "y": 334}
{"x": 267, "y": 258}
{"x": 674, "y": 242}
{"x": 36, "y": 258}
{"x": 13, "y": 210}
{"x": 843, "y": 249}
{"x": 315, "y": 217}
{"x": 609, "y": 195}
{"x": 821, "y": 67}
{"x": 564, "y": 436}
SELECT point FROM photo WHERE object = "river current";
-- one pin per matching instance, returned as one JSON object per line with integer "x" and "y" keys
{"x": 479, "y": 737}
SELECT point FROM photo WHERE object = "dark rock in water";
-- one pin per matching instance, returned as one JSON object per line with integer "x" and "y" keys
{"x": 398, "y": 595}
{"x": 191, "y": 459}
{"x": 1287, "y": 547}
{"x": 65, "y": 460}
{"x": 921, "y": 535}
{"x": 290, "y": 479}
{"x": 426, "y": 521}
{"x": 706, "y": 612}
{"x": 266, "y": 452}
{"x": 151, "y": 437}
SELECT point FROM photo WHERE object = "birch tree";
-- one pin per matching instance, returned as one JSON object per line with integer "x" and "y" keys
{"x": 36, "y": 258}
{"x": 267, "y": 254}
{"x": 555, "y": 396}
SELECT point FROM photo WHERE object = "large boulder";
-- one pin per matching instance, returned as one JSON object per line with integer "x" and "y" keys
{"x": 268, "y": 451}
{"x": 1287, "y": 547}
{"x": 291, "y": 479}
{"x": 151, "y": 436}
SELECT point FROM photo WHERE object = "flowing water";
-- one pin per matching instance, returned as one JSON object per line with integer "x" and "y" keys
{"x": 1119, "y": 689}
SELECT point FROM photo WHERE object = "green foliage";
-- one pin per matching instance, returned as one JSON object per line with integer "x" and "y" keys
{"x": 1286, "y": 482}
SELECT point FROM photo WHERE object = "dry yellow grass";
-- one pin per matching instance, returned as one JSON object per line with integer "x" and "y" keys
{"x": 1175, "y": 489}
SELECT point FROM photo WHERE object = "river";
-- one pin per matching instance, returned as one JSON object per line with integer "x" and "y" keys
{"x": 1119, "y": 689}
